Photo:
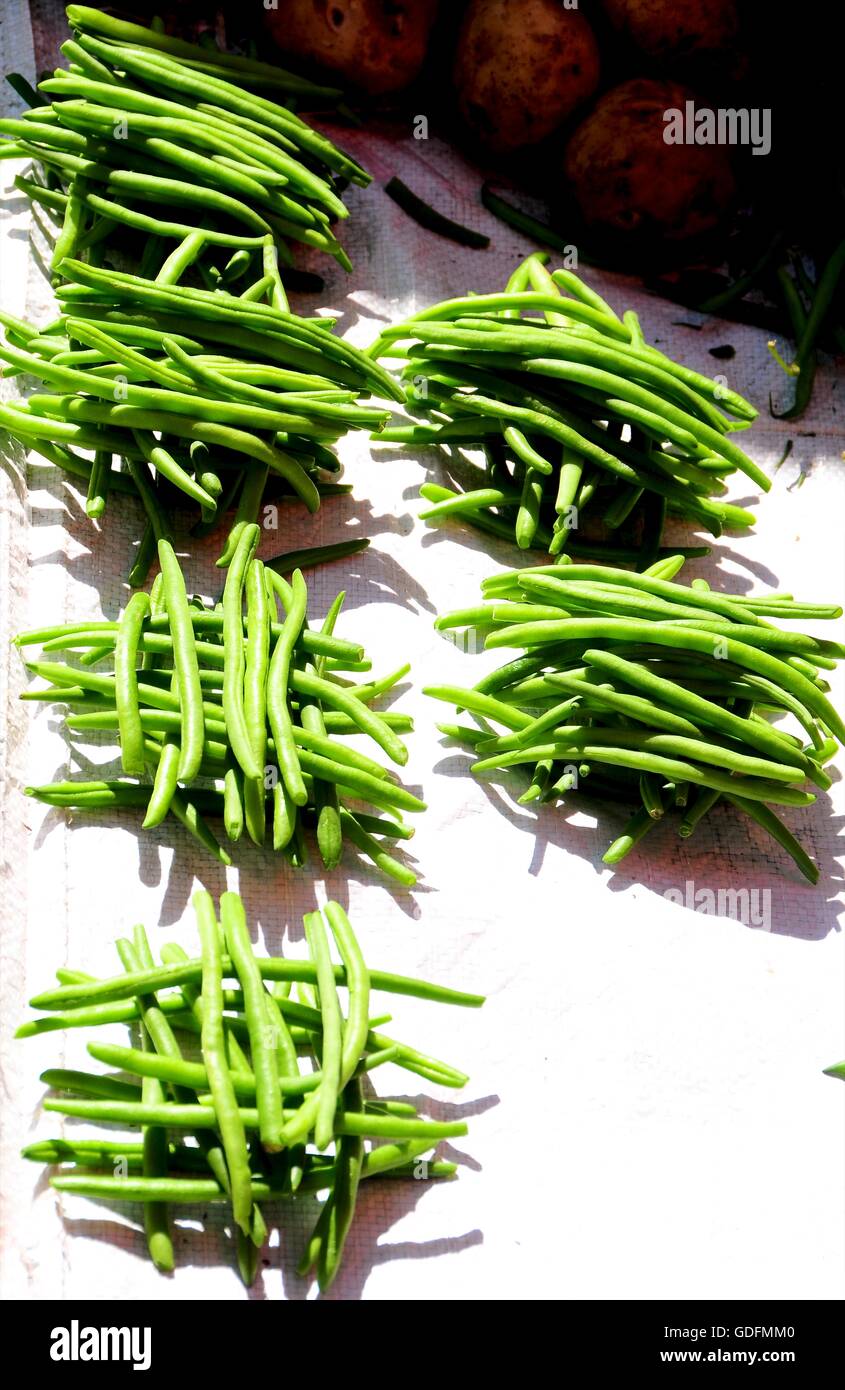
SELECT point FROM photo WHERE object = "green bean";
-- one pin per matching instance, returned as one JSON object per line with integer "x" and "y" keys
{"x": 616, "y": 584}
{"x": 640, "y": 823}
{"x": 325, "y": 794}
{"x": 316, "y": 555}
{"x": 358, "y": 982}
{"x": 64, "y": 636}
{"x": 687, "y": 703}
{"x": 155, "y": 1142}
{"x": 258, "y": 289}
{"x": 164, "y": 785}
{"x": 83, "y": 1152}
{"x": 117, "y": 212}
{"x": 477, "y": 702}
{"x": 584, "y": 358}
{"x": 233, "y": 312}
{"x": 380, "y": 792}
{"x": 386, "y": 1161}
{"x": 522, "y": 222}
{"x": 156, "y": 1215}
{"x": 356, "y": 829}
{"x": 244, "y": 392}
{"x": 157, "y": 1026}
{"x": 717, "y": 754}
{"x": 487, "y": 303}
{"x": 173, "y": 1009}
{"x": 566, "y": 280}
{"x": 459, "y": 503}
{"x": 538, "y": 277}
{"x": 126, "y": 685}
{"x": 225, "y": 1113}
{"x": 89, "y": 20}
{"x": 204, "y": 1117}
{"x": 233, "y": 802}
{"x": 544, "y": 722}
{"x": 665, "y": 569}
{"x": 278, "y": 679}
{"x": 352, "y": 705}
{"x": 632, "y": 706}
{"x": 146, "y": 399}
{"x": 272, "y": 968}
{"x": 98, "y": 484}
{"x": 650, "y": 794}
{"x": 72, "y": 226}
{"x": 270, "y": 259}
{"x": 185, "y": 662}
{"x": 233, "y": 671}
{"x": 284, "y": 816}
{"x": 678, "y": 636}
{"x": 319, "y": 1109}
{"x": 528, "y": 516}
{"x": 430, "y": 218}
{"x": 819, "y": 310}
{"x": 160, "y": 70}
{"x": 268, "y": 1095}
{"x": 83, "y": 1083}
{"x": 349, "y": 1163}
{"x": 257, "y": 657}
{"x": 181, "y": 258}
{"x": 766, "y": 818}
{"x": 225, "y": 436}
{"x": 112, "y": 348}
{"x": 704, "y": 802}
{"x": 187, "y": 813}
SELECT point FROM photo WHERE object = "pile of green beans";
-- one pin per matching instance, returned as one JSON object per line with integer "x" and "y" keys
{"x": 187, "y": 396}
{"x": 233, "y": 713}
{"x": 634, "y": 688}
{"x": 144, "y": 135}
{"x": 247, "y": 1122}
{"x": 580, "y": 421}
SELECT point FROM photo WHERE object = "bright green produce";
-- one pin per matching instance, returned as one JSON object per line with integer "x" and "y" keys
{"x": 579, "y": 419}
{"x": 275, "y": 1087}
{"x": 152, "y": 138}
{"x": 187, "y": 397}
{"x": 632, "y": 688}
{"x": 233, "y": 713}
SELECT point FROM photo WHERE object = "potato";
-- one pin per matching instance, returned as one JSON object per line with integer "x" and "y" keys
{"x": 522, "y": 67}
{"x": 376, "y": 45}
{"x": 624, "y": 176}
{"x": 676, "y": 29}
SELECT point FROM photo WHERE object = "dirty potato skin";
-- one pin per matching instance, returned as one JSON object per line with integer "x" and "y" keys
{"x": 521, "y": 67}
{"x": 378, "y": 46}
{"x": 626, "y": 179}
{"x": 676, "y": 29}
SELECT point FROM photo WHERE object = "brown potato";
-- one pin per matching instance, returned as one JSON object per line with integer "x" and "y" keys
{"x": 676, "y": 29}
{"x": 624, "y": 176}
{"x": 522, "y": 67}
{"x": 376, "y": 45}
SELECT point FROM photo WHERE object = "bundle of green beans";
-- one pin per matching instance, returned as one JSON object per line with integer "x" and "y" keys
{"x": 579, "y": 420}
{"x": 171, "y": 394}
{"x": 149, "y": 135}
{"x": 246, "y": 1123}
{"x": 233, "y": 714}
{"x": 631, "y": 687}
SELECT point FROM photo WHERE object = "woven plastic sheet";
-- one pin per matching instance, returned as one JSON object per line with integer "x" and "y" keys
{"x": 647, "y": 1112}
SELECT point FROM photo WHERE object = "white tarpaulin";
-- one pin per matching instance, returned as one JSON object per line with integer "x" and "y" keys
{"x": 648, "y": 1115}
